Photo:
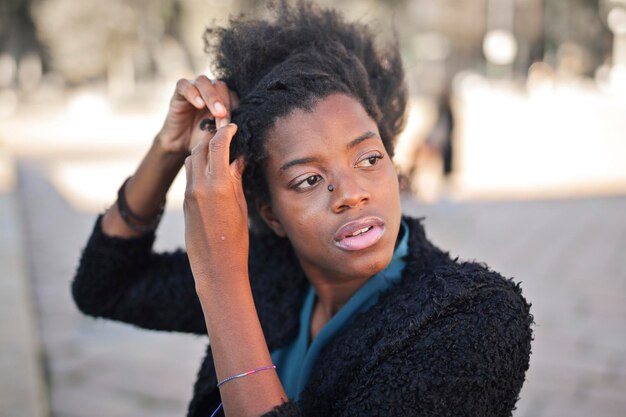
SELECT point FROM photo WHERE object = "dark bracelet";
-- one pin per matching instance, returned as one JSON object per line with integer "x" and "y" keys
{"x": 137, "y": 223}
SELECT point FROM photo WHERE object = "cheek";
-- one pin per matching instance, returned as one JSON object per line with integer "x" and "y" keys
{"x": 300, "y": 216}
{"x": 387, "y": 181}
{"x": 388, "y": 192}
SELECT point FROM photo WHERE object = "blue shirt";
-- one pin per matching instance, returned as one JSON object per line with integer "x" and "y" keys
{"x": 295, "y": 361}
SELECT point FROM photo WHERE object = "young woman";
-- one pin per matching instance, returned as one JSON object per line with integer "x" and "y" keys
{"x": 319, "y": 297}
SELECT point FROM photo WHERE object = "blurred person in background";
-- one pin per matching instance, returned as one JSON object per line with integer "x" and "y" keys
{"x": 440, "y": 138}
{"x": 430, "y": 162}
{"x": 319, "y": 297}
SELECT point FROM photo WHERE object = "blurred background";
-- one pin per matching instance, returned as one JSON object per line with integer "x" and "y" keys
{"x": 514, "y": 152}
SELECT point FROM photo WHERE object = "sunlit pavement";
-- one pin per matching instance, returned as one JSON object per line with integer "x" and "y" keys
{"x": 22, "y": 391}
{"x": 568, "y": 254}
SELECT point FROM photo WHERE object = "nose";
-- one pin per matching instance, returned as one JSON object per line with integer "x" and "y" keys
{"x": 347, "y": 194}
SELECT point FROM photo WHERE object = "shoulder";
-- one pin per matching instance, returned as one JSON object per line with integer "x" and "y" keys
{"x": 443, "y": 298}
{"x": 464, "y": 352}
{"x": 432, "y": 277}
{"x": 451, "y": 331}
{"x": 451, "y": 338}
{"x": 465, "y": 293}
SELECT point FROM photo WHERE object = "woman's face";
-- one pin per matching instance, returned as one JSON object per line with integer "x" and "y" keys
{"x": 347, "y": 233}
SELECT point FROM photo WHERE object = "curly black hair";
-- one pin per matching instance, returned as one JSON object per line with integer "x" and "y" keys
{"x": 300, "y": 55}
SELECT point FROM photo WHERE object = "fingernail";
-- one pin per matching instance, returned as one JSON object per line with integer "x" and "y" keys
{"x": 221, "y": 123}
{"x": 219, "y": 107}
{"x": 199, "y": 101}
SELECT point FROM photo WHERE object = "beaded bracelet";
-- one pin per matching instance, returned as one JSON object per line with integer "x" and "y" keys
{"x": 137, "y": 223}
{"x": 230, "y": 378}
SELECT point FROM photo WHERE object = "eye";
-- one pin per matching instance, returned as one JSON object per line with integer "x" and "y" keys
{"x": 369, "y": 160}
{"x": 308, "y": 182}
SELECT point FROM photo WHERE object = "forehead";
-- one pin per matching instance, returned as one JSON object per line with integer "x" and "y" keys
{"x": 332, "y": 121}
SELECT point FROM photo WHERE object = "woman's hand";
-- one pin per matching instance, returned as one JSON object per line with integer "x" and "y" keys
{"x": 193, "y": 101}
{"x": 216, "y": 215}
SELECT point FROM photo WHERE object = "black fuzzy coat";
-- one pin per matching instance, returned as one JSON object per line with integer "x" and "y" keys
{"x": 450, "y": 339}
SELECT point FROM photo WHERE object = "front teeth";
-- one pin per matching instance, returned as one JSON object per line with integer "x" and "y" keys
{"x": 358, "y": 232}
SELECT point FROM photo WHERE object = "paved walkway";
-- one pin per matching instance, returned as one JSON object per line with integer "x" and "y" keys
{"x": 22, "y": 388}
{"x": 569, "y": 254}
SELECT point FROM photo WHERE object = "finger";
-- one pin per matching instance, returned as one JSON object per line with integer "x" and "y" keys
{"x": 224, "y": 93}
{"x": 188, "y": 172}
{"x": 199, "y": 153}
{"x": 219, "y": 150}
{"x": 185, "y": 90}
{"x": 202, "y": 128}
{"x": 210, "y": 96}
{"x": 237, "y": 167}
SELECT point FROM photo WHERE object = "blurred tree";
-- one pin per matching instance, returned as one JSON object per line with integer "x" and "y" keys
{"x": 576, "y": 25}
{"x": 17, "y": 30}
{"x": 92, "y": 39}
{"x": 86, "y": 39}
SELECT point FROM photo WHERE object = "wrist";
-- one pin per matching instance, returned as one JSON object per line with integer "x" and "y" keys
{"x": 169, "y": 152}
{"x": 218, "y": 283}
{"x": 168, "y": 159}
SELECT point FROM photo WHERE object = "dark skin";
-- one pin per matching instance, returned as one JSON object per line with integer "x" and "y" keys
{"x": 342, "y": 146}
{"x": 347, "y": 152}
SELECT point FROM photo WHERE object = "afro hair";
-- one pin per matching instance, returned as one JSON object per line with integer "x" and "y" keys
{"x": 301, "y": 54}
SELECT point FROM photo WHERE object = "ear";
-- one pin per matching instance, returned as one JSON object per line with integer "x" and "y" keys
{"x": 267, "y": 214}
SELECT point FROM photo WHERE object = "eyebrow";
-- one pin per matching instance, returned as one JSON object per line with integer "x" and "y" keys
{"x": 352, "y": 144}
{"x": 364, "y": 136}
{"x": 300, "y": 161}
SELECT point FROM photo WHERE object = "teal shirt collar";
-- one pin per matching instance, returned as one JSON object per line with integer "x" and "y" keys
{"x": 294, "y": 362}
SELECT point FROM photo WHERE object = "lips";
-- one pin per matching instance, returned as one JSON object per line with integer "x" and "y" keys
{"x": 359, "y": 234}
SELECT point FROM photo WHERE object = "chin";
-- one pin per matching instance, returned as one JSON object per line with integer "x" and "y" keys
{"x": 373, "y": 263}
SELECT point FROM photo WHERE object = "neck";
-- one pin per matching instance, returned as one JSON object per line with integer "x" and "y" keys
{"x": 333, "y": 296}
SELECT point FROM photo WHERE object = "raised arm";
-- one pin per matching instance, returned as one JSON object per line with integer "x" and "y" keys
{"x": 119, "y": 276}
{"x": 217, "y": 239}
{"x": 146, "y": 189}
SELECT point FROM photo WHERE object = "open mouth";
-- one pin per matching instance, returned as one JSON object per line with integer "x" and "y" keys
{"x": 361, "y": 231}
{"x": 360, "y": 234}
